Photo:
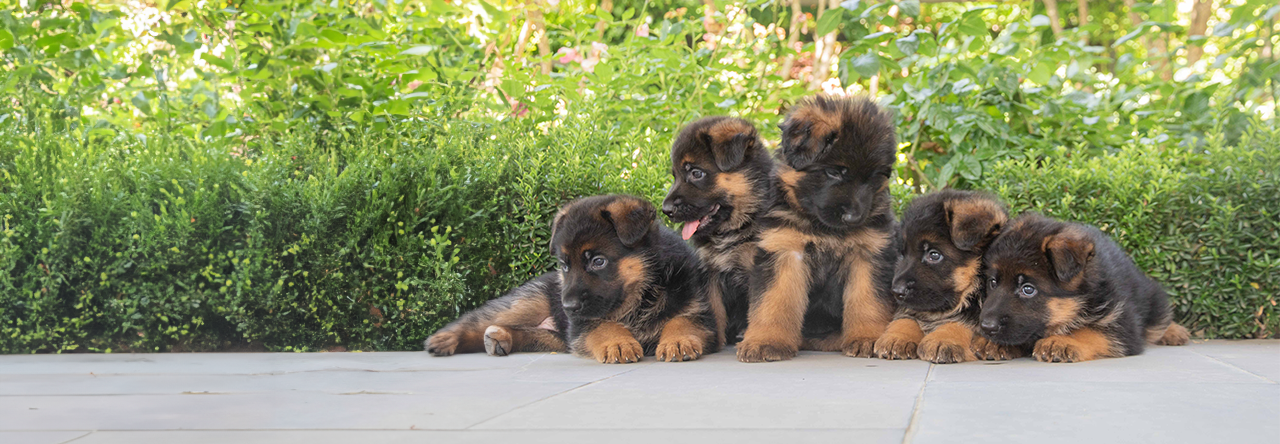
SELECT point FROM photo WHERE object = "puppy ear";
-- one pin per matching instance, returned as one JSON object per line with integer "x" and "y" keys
{"x": 808, "y": 131}
{"x": 974, "y": 222}
{"x": 729, "y": 140}
{"x": 632, "y": 218}
{"x": 1068, "y": 251}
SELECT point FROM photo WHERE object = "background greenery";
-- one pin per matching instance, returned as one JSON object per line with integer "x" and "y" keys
{"x": 302, "y": 175}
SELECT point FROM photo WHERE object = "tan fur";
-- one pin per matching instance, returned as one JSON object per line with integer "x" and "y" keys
{"x": 948, "y": 344}
{"x": 987, "y": 350}
{"x": 1074, "y": 242}
{"x": 774, "y": 323}
{"x": 503, "y": 340}
{"x": 681, "y": 340}
{"x": 822, "y": 122}
{"x": 623, "y": 206}
{"x": 727, "y": 129}
{"x": 974, "y": 213}
{"x": 529, "y": 311}
{"x": 635, "y": 280}
{"x": 744, "y": 201}
{"x": 964, "y": 278}
{"x": 865, "y": 314}
{"x": 611, "y": 343}
{"x": 900, "y": 340}
{"x": 790, "y": 178}
{"x": 1063, "y": 312}
{"x": 1174, "y": 334}
{"x": 1083, "y": 344}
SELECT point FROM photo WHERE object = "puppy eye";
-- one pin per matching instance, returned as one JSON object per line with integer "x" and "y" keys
{"x": 1028, "y": 290}
{"x": 836, "y": 173}
{"x": 992, "y": 282}
{"x": 831, "y": 139}
{"x": 564, "y": 267}
{"x": 887, "y": 174}
{"x": 697, "y": 174}
{"x": 598, "y": 262}
{"x": 933, "y": 257}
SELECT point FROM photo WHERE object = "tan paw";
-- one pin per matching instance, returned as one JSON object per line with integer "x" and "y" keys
{"x": 943, "y": 351}
{"x": 622, "y": 351}
{"x": 1058, "y": 349}
{"x": 497, "y": 341}
{"x": 680, "y": 348}
{"x": 859, "y": 347}
{"x": 442, "y": 343}
{"x": 987, "y": 350}
{"x": 891, "y": 346}
{"x": 759, "y": 351}
{"x": 1174, "y": 335}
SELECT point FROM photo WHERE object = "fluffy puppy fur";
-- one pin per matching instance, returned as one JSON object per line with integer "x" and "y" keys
{"x": 1071, "y": 291}
{"x": 938, "y": 282}
{"x": 824, "y": 261}
{"x": 627, "y": 287}
{"x": 723, "y": 182}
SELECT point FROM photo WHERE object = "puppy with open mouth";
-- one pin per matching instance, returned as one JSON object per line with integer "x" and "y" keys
{"x": 723, "y": 182}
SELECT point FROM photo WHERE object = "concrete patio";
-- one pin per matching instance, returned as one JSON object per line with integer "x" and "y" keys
{"x": 1216, "y": 391}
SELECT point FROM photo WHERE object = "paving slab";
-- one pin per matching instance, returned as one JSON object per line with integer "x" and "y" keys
{"x": 1217, "y": 391}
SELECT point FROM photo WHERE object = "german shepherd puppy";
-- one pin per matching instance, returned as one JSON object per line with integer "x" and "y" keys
{"x": 627, "y": 287}
{"x": 938, "y": 282}
{"x": 1070, "y": 290}
{"x": 724, "y": 181}
{"x": 825, "y": 258}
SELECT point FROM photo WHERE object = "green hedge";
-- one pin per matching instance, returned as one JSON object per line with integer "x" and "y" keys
{"x": 1206, "y": 224}
{"x": 371, "y": 241}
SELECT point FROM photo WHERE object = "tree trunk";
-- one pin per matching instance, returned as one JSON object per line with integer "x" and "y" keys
{"x": 540, "y": 27}
{"x": 825, "y": 47}
{"x": 1051, "y": 8}
{"x": 1200, "y": 13}
{"x": 605, "y": 5}
{"x": 1082, "y": 9}
{"x": 793, "y": 35}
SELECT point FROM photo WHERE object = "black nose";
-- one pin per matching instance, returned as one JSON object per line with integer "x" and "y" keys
{"x": 851, "y": 216}
{"x": 669, "y": 206}
{"x": 992, "y": 327}
{"x": 572, "y": 306}
{"x": 902, "y": 288}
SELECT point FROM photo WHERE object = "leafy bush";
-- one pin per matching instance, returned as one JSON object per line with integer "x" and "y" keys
{"x": 1204, "y": 223}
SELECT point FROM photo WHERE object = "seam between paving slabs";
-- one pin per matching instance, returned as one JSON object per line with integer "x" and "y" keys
{"x": 914, "y": 423}
{"x": 637, "y": 367}
{"x": 76, "y": 438}
{"x": 1228, "y": 364}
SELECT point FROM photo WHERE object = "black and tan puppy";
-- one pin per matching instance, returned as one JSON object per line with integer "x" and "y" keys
{"x": 1070, "y": 290}
{"x": 724, "y": 181}
{"x": 825, "y": 258}
{"x": 627, "y": 288}
{"x": 938, "y": 282}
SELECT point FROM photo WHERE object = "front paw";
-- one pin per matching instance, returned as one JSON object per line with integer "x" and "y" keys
{"x": 442, "y": 344}
{"x": 497, "y": 341}
{"x": 939, "y": 351}
{"x": 681, "y": 348}
{"x": 859, "y": 347}
{"x": 624, "y": 351}
{"x": 757, "y": 351}
{"x": 891, "y": 346}
{"x": 988, "y": 350}
{"x": 1058, "y": 349}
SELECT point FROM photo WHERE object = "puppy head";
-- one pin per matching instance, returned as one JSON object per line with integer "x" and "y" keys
{"x": 601, "y": 244}
{"x": 944, "y": 236}
{"x": 840, "y": 154}
{"x": 719, "y": 165}
{"x": 1037, "y": 278}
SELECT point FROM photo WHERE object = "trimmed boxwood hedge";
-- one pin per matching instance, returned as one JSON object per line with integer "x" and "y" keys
{"x": 371, "y": 241}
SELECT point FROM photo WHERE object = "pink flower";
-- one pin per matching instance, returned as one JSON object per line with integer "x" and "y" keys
{"x": 642, "y": 30}
{"x": 568, "y": 55}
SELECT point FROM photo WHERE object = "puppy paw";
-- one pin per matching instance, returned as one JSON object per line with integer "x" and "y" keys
{"x": 1174, "y": 335}
{"x": 497, "y": 341}
{"x": 755, "y": 351}
{"x": 942, "y": 351}
{"x": 680, "y": 348}
{"x": 622, "y": 351}
{"x": 1058, "y": 349}
{"x": 891, "y": 346}
{"x": 987, "y": 350}
{"x": 859, "y": 347}
{"x": 442, "y": 344}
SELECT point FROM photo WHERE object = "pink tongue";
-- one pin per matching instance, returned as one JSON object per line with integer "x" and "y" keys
{"x": 689, "y": 229}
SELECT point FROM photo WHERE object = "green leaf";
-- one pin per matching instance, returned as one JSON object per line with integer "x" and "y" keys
{"x": 6, "y": 39}
{"x": 418, "y": 50}
{"x": 1042, "y": 73}
{"x": 140, "y": 100}
{"x": 216, "y": 61}
{"x": 973, "y": 25}
{"x": 829, "y": 21}
{"x": 909, "y": 7}
{"x": 908, "y": 44}
{"x": 334, "y": 36}
{"x": 866, "y": 65}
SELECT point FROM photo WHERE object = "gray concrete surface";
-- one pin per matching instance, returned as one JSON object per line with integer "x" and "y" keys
{"x": 1216, "y": 391}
